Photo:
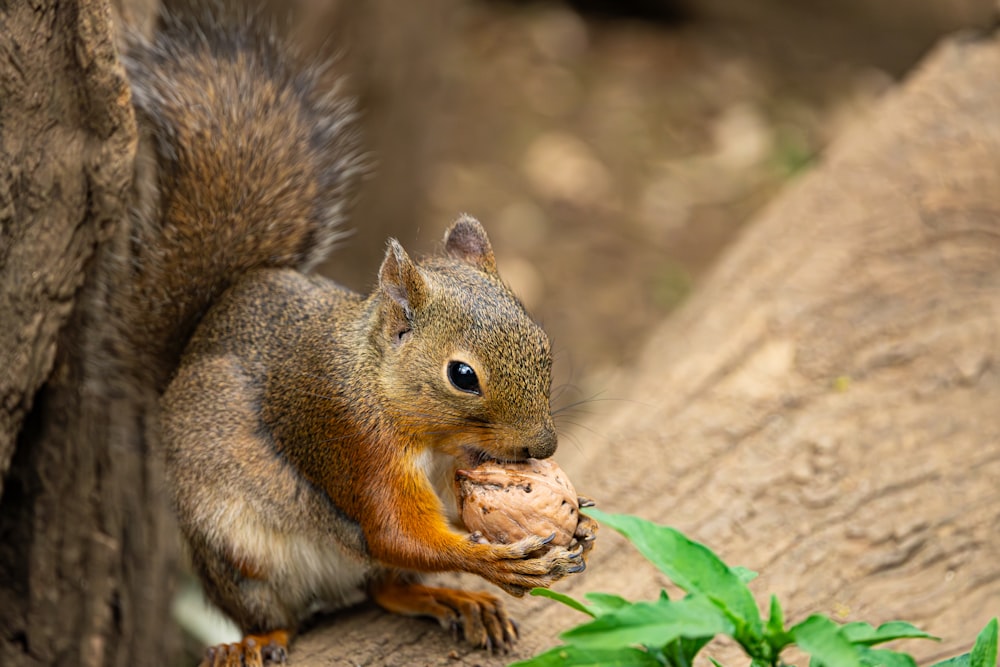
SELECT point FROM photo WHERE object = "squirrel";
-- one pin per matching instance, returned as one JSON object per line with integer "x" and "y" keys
{"x": 311, "y": 433}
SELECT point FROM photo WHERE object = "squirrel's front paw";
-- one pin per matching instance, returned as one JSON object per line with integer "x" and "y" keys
{"x": 586, "y": 529}
{"x": 527, "y": 564}
{"x": 252, "y": 651}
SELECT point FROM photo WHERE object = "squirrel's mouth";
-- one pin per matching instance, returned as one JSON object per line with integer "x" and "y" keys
{"x": 474, "y": 457}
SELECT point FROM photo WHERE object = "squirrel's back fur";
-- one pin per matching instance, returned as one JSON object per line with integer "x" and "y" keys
{"x": 231, "y": 127}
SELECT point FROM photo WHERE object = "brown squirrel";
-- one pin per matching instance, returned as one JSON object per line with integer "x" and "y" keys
{"x": 311, "y": 433}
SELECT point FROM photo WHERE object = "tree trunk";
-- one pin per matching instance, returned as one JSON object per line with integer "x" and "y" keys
{"x": 86, "y": 553}
{"x": 824, "y": 410}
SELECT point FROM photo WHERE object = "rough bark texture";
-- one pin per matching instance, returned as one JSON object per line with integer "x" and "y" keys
{"x": 55, "y": 202}
{"x": 85, "y": 554}
{"x": 824, "y": 410}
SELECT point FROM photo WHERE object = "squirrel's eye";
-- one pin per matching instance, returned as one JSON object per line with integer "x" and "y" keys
{"x": 463, "y": 377}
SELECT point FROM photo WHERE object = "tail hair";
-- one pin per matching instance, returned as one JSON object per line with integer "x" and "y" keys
{"x": 248, "y": 159}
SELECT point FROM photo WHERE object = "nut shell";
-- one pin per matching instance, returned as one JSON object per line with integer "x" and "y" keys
{"x": 506, "y": 503}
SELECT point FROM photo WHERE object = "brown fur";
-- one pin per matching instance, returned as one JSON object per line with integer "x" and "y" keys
{"x": 298, "y": 404}
{"x": 246, "y": 163}
{"x": 310, "y": 433}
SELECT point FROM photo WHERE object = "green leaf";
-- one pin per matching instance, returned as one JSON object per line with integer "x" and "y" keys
{"x": 651, "y": 623}
{"x": 565, "y": 599}
{"x": 984, "y": 653}
{"x": 681, "y": 651}
{"x": 867, "y": 635}
{"x": 775, "y": 632}
{"x": 687, "y": 648}
{"x": 822, "y": 639}
{"x": 744, "y": 574}
{"x": 604, "y": 603}
{"x": 871, "y": 657}
{"x": 776, "y": 618}
{"x": 963, "y": 660}
{"x": 716, "y": 662}
{"x": 693, "y": 567}
{"x": 574, "y": 656}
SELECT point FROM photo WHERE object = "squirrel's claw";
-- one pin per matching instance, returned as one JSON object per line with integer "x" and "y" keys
{"x": 586, "y": 533}
{"x": 484, "y": 621}
{"x": 523, "y": 565}
{"x": 477, "y": 538}
{"x": 478, "y": 617}
{"x": 252, "y": 651}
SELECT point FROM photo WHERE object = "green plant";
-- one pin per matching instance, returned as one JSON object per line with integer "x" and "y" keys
{"x": 718, "y": 602}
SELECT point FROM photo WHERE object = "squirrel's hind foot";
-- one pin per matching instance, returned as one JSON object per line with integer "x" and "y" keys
{"x": 253, "y": 651}
{"x": 478, "y": 617}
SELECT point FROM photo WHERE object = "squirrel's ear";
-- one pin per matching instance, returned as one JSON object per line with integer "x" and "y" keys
{"x": 466, "y": 240}
{"x": 404, "y": 289}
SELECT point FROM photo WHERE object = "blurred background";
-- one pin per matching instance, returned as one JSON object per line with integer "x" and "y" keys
{"x": 612, "y": 149}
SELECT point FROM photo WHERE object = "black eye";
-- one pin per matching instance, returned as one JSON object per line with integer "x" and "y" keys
{"x": 463, "y": 377}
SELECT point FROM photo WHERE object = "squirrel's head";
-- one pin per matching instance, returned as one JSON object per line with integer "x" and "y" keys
{"x": 465, "y": 367}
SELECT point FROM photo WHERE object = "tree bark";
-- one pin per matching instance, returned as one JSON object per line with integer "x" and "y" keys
{"x": 824, "y": 409}
{"x": 86, "y": 551}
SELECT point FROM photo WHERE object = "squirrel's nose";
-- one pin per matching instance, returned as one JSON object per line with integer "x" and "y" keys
{"x": 544, "y": 444}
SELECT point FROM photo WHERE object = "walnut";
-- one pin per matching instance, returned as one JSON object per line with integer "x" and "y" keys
{"x": 505, "y": 503}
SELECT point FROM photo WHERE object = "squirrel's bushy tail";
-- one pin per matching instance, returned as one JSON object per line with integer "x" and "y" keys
{"x": 247, "y": 160}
